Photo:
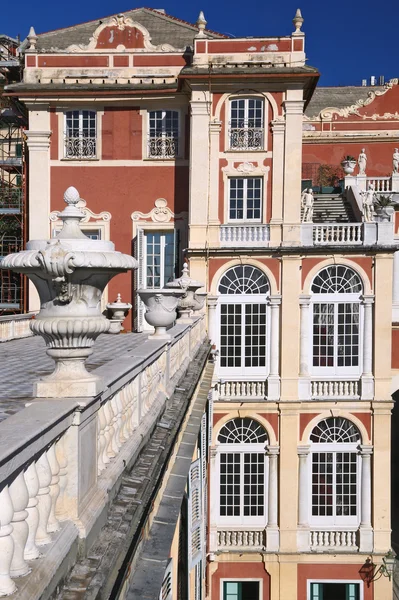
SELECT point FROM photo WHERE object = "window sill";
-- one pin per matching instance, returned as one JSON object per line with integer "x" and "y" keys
{"x": 237, "y": 150}
{"x": 78, "y": 159}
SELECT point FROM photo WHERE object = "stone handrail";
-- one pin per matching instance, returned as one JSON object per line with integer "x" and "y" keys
{"x": 61, "y": 460}
{"x": 15, "y": 326}
{"x": 381, "y": 184}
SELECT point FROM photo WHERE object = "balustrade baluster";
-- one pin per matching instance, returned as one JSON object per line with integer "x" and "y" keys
{"x": 60, "y": 507}
{"x": 53, "y": 524}
{"x": 32, "y": 484}
{"x": 44, "y": 499}
{"x": 7, "y": 586}
{"x": 116, "y": 425}
{"x": 109, "y": 430}
{"x": 19, "y": 497}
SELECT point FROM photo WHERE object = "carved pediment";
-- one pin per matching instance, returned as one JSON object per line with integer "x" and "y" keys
{"x": 161, "y": 213}
{"x": 121, "y": 33}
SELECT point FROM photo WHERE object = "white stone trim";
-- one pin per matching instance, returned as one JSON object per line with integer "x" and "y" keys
{"x": 245, "y": 169}
{"x": 173, "y": 104}
{"x": 358, "y": 582}
{"x": 61, "y": 124}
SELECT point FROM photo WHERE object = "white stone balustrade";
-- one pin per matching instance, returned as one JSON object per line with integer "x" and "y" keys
{"x": 345, "y": 390}
{"x": 13, "y": 327}
{"x": 337, "y": 234}
{"x": 243, "y": 389}
{"x": 248, "y": 539}
{"x": 244, "y": 235}
{"x": 60, "y": 462}
{"x": 381, "y": 184}
{"x": 334, "y": 540}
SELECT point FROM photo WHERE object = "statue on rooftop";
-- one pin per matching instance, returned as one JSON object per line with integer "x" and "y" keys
{"x": 362, "y": 162}
{"x": 307, "y": 201}
{"x": 395, "y": 161}
{"x": 369, "y": 197}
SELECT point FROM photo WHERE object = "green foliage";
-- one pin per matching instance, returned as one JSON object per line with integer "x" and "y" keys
{"x": 329, "y": 175}
{"x": 349, "y": 158}
{"x": 384, "y": 201}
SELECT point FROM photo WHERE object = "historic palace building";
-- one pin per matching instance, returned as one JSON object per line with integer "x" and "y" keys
{"x": 189, "y": 145}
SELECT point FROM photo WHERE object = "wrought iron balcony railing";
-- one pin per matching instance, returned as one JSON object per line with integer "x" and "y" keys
{"x": 246, "y": 137}
{"x": 163, "y": 146}
{"x": 80, "y": 147}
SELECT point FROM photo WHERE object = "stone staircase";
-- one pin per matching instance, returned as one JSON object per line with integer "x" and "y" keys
{"x": 332, "y": 208}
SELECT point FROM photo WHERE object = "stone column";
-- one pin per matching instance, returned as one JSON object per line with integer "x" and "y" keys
{"x": 278, "y": 131}
{"x": 199, "y": 170}
{"x": 395, "y": 291}
{"x": 212, "y": 319}
{"x": 38, "y": 142}
{"x": 303, "y": 500}
{"x": 293, "y": 106}
{"x": 366, "y": 530}
{"x": 213, "y": 216}
{"x": 367, "y": 375}
{"x": 272, "y": 531}
{"x": 304, "y": 360}
{"x": 273, "y": 391}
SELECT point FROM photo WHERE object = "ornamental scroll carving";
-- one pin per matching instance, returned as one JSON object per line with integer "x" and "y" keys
{"x": 245, "y": 167}
{"x": 327, "y": 113}
{"x": 121, "y": 33}
{"x": 161, "y": 213}
{"x": 89, "y": 215}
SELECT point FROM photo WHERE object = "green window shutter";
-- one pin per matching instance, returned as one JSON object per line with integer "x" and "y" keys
{"x": 232, "y": 590}
{"x": 352, "y": 591}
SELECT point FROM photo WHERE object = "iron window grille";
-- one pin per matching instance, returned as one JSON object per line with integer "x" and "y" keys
{"x": 163, "y": 136}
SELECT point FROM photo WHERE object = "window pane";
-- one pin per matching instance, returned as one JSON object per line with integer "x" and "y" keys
{"x": 255, "y": 335}
{"x": 254, "y": 485}
{"x": 348, "y": 335}
{"x": 322, "y": 484}
{"x": 229, "y": 500}
{"x": 346, "y": 484}
{"x": 230, "y": 335}
{"x": 323, "y": 335}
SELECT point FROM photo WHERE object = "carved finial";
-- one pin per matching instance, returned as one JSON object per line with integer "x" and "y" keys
{"x": 119, "y": 299}
{"x": 201, "y": 24}
{"x": 298, "y": 20}
{"x": 71, "y": 196}
{"x": 185, "y": 270}
{"x": 32, "y": 39}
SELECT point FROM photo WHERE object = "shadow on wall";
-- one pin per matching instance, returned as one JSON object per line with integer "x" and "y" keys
{"x": 395, "y": 478}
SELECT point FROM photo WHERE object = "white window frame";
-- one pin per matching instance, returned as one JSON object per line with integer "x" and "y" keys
{"x": 334, "y": 521}
{"x": 162, "y": 252}
{"x": 241, "y": 579}
{"x": 95, "y": 154}
{"x": 179, "y": 136}
{"x": 346, "y": 581}
{"x": 245, "y": 219}
{"x": 337, "y": 299}
{"x": 244, "y": 372}
{"x": 246, "y": 100}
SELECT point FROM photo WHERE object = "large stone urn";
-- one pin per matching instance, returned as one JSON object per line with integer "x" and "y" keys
{"x": 70, "y": 273}
{"x": 117, "y": 312}
{"x": 189, "y": 300}
{"x": 160, "y": 305}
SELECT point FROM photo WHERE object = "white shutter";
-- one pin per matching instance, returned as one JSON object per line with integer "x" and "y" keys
{"x": 166, "y": 589}
{"x": 195, "y": 525}
{"x": 204, "y": 477}
{"x": 210, "y": 416}
{"x": 140, "y": 277}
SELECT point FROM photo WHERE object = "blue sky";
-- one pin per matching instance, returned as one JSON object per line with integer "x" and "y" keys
{"x": 346, "y": 40}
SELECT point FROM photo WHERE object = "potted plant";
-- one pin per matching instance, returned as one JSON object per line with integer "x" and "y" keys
{"x": 348, "y": 164}
{"x": 384, "y": 208}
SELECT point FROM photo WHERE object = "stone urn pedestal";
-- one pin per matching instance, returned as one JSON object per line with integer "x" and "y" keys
{"x": 117, "y": 311}
{"x": 70, "y": 273}
{"x": 160, "y": 312}
{"x": 189, "y": 300}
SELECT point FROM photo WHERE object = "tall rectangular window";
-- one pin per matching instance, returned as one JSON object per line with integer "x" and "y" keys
{"x": 336, "y": 334}
{"x": 330, "y": 590}
{"x": 245, "y": 198}
{"x": 246, "y": 124}
{"x": 334, "y": 484}
{"x": 80, "y": 136}
{"x": 163, "y": 138}
{"x": 160, "y": 258}
{"x": 243, "y": 335}
{"x": 242, "y": 484}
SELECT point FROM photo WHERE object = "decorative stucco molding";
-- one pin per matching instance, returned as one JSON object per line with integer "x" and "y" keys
{"x": 327, "y": 113}
{"x": 121, "y": 22}
{"x": 245, "y": 167}
{"x": 89, "y": 215}
{"x": 161, "y": 213}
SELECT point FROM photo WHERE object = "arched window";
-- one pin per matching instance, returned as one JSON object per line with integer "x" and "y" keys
{"x": 247, "y": 124}
{"x": 335, "y": 472}
{"x": 244, "y": 290}
{"x": 242, "y": 472}
{"x": 336, "y": 323}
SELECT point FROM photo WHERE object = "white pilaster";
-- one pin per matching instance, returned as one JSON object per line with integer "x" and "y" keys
{"x": 293, "y": 106}
{"x": 304, "y": 381}
{"x": 303, "y": 535}
{"x": 367, "y": 375}
{"x": 214, "y": 131}
{"x": 395, "y": 291}
{"x": 199, "y": 166}
{"x": 366, "y": 530}
{"x": 38, "y": 142}
{"x": 278, "y": 131}
{"x": 273, "y": 383}
{"x": 272, "y": 531}
{"x": 212, "y": 320}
